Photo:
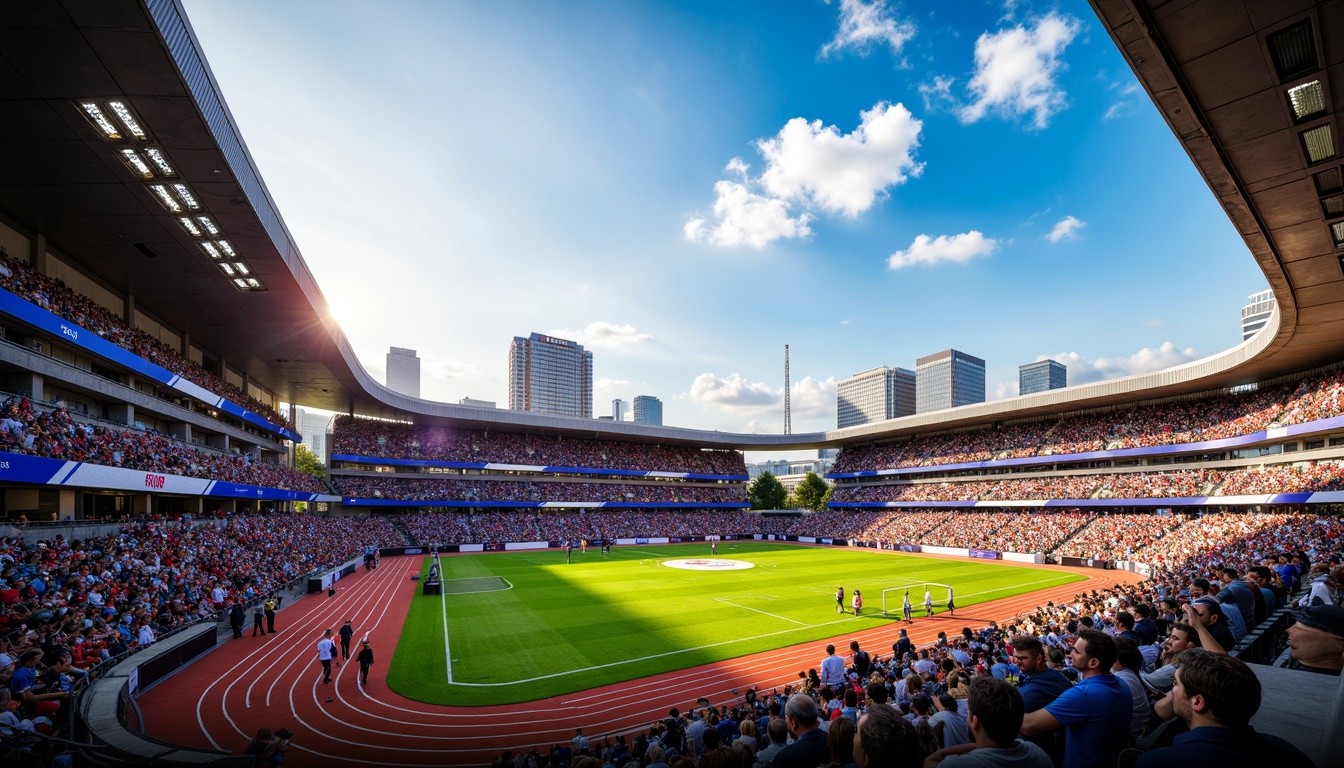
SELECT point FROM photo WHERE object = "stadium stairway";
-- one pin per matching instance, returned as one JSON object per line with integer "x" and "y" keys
{"x": 405, "y": 532}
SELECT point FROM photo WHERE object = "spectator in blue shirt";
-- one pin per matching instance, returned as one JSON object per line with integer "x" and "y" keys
{"x": 1095, "y": 713}
{"x": 1216, "y": 696}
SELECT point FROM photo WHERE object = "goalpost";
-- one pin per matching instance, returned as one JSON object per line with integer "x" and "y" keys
{"x": 893, "y": 598}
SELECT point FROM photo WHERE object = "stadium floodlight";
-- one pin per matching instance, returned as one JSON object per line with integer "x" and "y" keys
{"x": 190, "y": 226}
{"x": 160, "y": 161}
{"x": 253, "y": 283}
{"x": 99, "y": 118}
{"x": 241, "y": 283}
{"x": 125, "y": 117}
{"x": 1319, "y": 144}
{"x": 208, "y": 225}
{"x": 1330, "y": 180}
{"x": 168, "y": 201}
{"x": 242, "y": 268}
{"x": 1308, "y": 99}
{"x": 1293, "y": 50}
{"x": 1337, "y": 231}
{"x": 186, "y": 197}
{"x": 211, "y": 250}
{"x": 227, "y": 248}
{"x": 228, "y": 268}
{"x": 137, "y": 163}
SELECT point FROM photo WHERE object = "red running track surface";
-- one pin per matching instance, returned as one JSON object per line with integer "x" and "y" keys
{"x": 221, "y": 700}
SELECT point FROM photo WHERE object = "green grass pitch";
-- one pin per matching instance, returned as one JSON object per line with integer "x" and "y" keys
{"x": 527, "y": 625}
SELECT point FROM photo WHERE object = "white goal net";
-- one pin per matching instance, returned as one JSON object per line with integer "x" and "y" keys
{"x": 893, "y": 598}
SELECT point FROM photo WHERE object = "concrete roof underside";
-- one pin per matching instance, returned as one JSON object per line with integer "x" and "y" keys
{"x": 1205, "y": 64}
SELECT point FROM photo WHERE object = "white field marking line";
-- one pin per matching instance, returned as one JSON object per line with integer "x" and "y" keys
{"x": 727, "y": 601}
{"x": 652, "y": 656}
{"x": 699, "y": 685}
{"x": 273, "y": 647}
{"x": 587, "y": 717}
{"x": 447, "y": 653}
{"x": 295, "y": 638}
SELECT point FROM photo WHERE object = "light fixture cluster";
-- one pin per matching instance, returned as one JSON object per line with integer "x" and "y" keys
{"x": 117, "y": 123}
{"x": 1294, "y": 53}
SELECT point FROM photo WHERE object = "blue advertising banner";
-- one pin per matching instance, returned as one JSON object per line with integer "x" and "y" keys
{"x": 81, "y": 337}
{"x": 984, "y": 554}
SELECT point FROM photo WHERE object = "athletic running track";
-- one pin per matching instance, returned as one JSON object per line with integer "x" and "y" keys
{"x": 221, "y": 700}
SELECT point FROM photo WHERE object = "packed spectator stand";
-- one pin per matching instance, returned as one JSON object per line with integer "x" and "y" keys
{"x": 371, "y": 438}
{"x": 55, "y": 433}
{"x": 56, "y": 297}
{"x": 1211, "y": 417}
{"x": 485, "y": 492}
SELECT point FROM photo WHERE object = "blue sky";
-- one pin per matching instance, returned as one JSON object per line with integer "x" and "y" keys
{"x": 687, "y": 187}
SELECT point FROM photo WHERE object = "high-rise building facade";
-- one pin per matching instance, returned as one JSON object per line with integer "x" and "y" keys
{"x": 1041, "y": 376}
{"x": 618, "y": 407}
{"x": 948, "y": 379}
{"x": 648, "y": 410}
{"x": 1256, "y": 313}
{"x": 876, "y": 395}
{"x": 313, "y": 427}
{"x": 403, "y": 371}
{"x": 550, "y": 375}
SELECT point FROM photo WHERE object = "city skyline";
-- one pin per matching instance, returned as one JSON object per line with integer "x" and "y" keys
{"x": 670, "y": 164}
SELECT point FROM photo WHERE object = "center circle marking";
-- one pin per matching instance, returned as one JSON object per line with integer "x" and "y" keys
{"x": 708, "y": 564}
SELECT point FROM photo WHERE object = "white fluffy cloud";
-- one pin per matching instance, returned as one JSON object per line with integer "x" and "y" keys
{"x": 842, "y": 173}
{"x": 811, "y": 398}
{"x": 1082, "y": 370}
{"x": 1065, "y": 229}
{"x": 1126, "y": 101}
{"x": 604, "y": 335}
{"x": 745, "y": 217}
{"x": 1015, "y": 71}
{"x": 863, "y": 25}
{"x": 957, "y": 248}
{"x": 810, "y": 166}
{"x": 731, "y": 391}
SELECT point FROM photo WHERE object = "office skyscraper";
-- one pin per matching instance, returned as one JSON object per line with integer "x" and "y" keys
{"x": 313, "y": 427}
{"x": 550, "y": 375}
{"x": 403, "y": 371}
{"x": 618, "y": 407}
{"x": 1040, "y": 376}
{"x": 1256, "y": 313}
{"x": 948, "y": 379}
{"x": 648, "y": 410}
{"x": 876, "y": 395}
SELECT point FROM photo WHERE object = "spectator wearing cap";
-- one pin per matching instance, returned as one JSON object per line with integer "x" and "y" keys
{"x": 1317, "y": 640}
{"x": 1216, "y": 696}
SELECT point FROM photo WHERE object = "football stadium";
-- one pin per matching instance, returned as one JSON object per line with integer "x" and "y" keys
{"x": 1138, "y": 570}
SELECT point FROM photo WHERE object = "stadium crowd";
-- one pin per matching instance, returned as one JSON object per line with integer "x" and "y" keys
{"x": 56, "y": 297}
{"x": 485, "y": 491}
{"x": 1306, "y": 476}
{"x": 396, "y": 440}
{"x": 54, "y": 433}
{"x": 1214, "y": 417}
{"x": 591, "y": 525}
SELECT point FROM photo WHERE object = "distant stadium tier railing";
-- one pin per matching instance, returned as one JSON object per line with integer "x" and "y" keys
{"x": 1306, "y": 497}
{"x": 1333, "y": 423}
{"x": 21, "y": 468}
{"x": 352, "y": 501}
{"x": 355, "y": 459}
{"x": 78, "y": 336}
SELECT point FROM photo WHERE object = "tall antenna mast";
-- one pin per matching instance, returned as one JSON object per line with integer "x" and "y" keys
{"x": 788, "y": 408}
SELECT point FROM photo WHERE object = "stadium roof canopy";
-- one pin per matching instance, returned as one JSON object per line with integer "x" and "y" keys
{"x": 1251, "y": 89}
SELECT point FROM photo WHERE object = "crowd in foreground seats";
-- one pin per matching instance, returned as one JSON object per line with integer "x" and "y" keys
{"x": 1218, "y": 416}
{"x": 55, "y": 297}
{"x": 1118, "y": 537}
{"x": 486, "y": 491}
{"x": 396, "y": 440}
{"x": 54, "y": 433}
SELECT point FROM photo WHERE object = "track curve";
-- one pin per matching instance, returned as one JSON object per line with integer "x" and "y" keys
{"x": 221, "y": 700}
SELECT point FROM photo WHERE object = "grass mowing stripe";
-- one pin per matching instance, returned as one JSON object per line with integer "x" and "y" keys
{"x": 566, "y": 627}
